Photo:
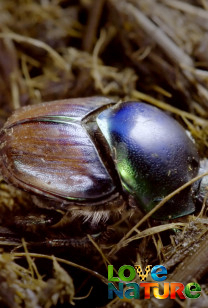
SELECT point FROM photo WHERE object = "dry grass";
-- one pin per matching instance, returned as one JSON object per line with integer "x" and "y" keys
{"x": 149, "y": 50}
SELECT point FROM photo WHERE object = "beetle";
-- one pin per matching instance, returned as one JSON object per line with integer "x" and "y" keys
{"x": 90, "y": 156}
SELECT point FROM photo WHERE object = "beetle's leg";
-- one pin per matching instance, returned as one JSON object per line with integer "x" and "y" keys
{"x": 9, "y": 238}
{"x": 13, "y": 240}
{"x": 201, "y": 187}
{"x": 33, "y": 222}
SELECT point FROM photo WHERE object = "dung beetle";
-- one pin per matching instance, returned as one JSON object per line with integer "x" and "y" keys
{"x": 90, "y": 155}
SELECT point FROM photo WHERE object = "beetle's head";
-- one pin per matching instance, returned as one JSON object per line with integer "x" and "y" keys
{"x": 153, "y": 155}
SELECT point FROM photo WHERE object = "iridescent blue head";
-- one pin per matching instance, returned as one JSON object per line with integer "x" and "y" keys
{"x": 153, "y": 155}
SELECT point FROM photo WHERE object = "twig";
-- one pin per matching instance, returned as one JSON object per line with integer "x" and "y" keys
{"x": 42, "y": 256}
{"x": 24, "y": 39}
{"x": 95, "y": 13}
{"x": 187, "y": 8}
{"x": 157, "y": 207}
{"x": 176, "y": 54}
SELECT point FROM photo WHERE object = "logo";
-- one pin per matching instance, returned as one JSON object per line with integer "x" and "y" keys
{"x": 124, "y": 287}
{"x": 146, "y": 272}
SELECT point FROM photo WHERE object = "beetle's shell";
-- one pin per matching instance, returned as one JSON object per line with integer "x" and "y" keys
{"x": 153, "y": 155}
{"x": 46, "y": 149}
{"x": 52, "y": 149}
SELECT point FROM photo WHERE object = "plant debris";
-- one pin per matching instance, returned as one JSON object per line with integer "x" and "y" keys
{"x": 149, "y": 50}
